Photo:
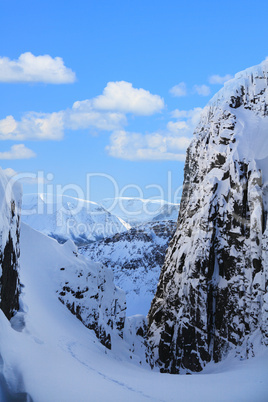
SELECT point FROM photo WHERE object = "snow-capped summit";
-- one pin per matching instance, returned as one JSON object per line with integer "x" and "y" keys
{"x": 136, "y": 210}
{"x": 65, "y": 217}
{"x": 212, "y": 295}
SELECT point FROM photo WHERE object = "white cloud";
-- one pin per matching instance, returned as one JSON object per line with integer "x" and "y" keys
{"x": 83, "y": 116}
{"x": 192, "y": 116}
{"x": 217, "y": 79}
{"x": 30, "y": 68}
{"x": 169, "y": 144}
{"x": 106, "y": 112}
{"x": 39, "y": 126}
{"x": 9, "y": 172}
{"x": 26, "y": 177}
{"x": 120, "y": 96}
{"x": 7, "y": 126}
{"x": 51, "y": 126}
{"x": 156, "y": 146}
{"x": 179, "y": 90}
{"x": 202, "y": 90}
{"x": 18, "y": 152}
{"x": 177, "y": 126}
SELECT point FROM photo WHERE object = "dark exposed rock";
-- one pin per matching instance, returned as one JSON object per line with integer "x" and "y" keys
{"x": 9, "y": 246}
{"x": 9, "y": 280}
{"x": 92, "y": 297}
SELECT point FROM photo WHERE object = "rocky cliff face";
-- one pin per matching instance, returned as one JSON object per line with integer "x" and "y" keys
{"x": 10, "y": 202}
{"x": 212, "y": 294}
{"x": 88, "y": 290}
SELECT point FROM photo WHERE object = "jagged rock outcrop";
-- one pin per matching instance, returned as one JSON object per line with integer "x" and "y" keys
{"x": 89, "y": 292}
{"x": 135, "y": 257}
{"x": 10, "y": 203}
{"x": 212, "y": 294}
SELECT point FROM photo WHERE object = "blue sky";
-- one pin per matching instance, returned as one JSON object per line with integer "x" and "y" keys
{"x": 125, "y": 95}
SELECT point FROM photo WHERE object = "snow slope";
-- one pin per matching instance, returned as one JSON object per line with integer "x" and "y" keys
{"x": 50, "y": 354}
{"x": 65, "y": 217}
{"x": 86, "y": 288}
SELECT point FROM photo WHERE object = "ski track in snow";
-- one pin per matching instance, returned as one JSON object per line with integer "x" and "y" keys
{"x": 69, "y": 347}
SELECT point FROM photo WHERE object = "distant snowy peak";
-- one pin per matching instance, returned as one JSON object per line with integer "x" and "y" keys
{"x": 212, "y": 295}
{"x": 10, "y": 204}
{"x": 136, "y": 210}
{"x": 66, "y": 217}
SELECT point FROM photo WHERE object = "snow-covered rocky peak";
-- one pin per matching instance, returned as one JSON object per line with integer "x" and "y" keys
{"x": 10, "y": 204}
{"x": 65, "y": 217}
{"x": 137, "y": 211}
{"x": 212, "y": 295}
{"x": 236, "y": 120}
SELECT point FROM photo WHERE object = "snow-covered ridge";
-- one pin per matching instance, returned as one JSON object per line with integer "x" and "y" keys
{"x": 136, "y": 210}
{"x": 249, "y": 90}
{"x": 253, "y": 78}
{"x": 10, "y": 204}
{"x": 212, "y": 294}
{"x": 65, "y": 217}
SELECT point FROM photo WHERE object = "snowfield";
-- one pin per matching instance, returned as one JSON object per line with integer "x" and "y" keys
{"x": 48, "y": 353}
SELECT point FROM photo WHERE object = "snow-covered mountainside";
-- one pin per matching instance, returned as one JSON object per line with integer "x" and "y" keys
{"x": 48, "y": 355}
{"x": 86, "y": 288}
{"x": 65, "y": 217}
{"x": 136, "y": 258}
{"x": 136, "y": 210}
{"x": 10, "y": 204}
{"x": 212, "y": 294}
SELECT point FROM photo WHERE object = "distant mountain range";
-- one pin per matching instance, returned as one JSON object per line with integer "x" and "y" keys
{"x": 135, "y": 257}
{"x": 66, "y": 217}
{"x": 136, "y": 210}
